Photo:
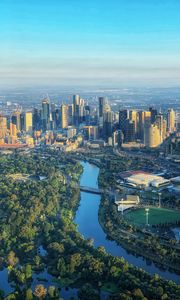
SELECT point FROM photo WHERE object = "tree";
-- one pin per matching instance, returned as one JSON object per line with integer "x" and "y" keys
{"x": 88, "y": 293}
{"x": 29, "y": 295}
{"x": 137, "y": 294}
{"x": 51, "y": 291}
{"x": 40, "y": 291}
{"x": 12, "y": 259}
{"x": 28, "y": 271}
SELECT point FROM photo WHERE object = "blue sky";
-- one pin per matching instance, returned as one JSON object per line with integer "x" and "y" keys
{"x": 114, "y": 43}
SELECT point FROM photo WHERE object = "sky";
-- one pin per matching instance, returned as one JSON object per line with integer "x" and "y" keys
{"x": 76, "y": 42}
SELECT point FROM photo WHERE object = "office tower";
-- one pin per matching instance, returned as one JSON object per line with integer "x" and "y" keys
{"x": 133, "y": 116}
{"x": 159, "y": 122}
{"x": 3, "y": 127}
{"x": 81, "y": 111}
{"x": 70, "y": 114}
{"x": 22, "y": 121}
{"x": 123, "y": 117}
{"x": 56, "y": 117}
{"x": 52, "y": 118}
{"x": 153, "y": 114}
{"x": 76, "y": 104}
{"x": 117, "y": 138}
{"x": 90, "y": 132}
{"x": 28, "y": 122}
{"x": 64, "y": 116}
{"x": 36, "y": 119}
{"x": 15, "y": 119}
{"x": 45, "y": 114}
{"x": 102, "y": 103}
{"x": 164, "y": 130}
{"x": 171, "y": 120}
{"x": 144, "y": 120}
{"x": 13, "y": 130}
{"x": 87, "y": 114}
{"x": 178, "y": 121}
{"x": 129, "y": 132}
{"x": 107, "y": 125}
{"x": 152, "y": 136}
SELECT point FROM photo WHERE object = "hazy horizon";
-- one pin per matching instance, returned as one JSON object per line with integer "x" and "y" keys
{"x": 122, "y": 43}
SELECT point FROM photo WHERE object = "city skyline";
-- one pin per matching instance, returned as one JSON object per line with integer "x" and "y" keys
{"x": 122, "y": 43}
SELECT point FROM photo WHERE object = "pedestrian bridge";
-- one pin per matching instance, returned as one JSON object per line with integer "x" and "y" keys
{"x": 91, "y": 190}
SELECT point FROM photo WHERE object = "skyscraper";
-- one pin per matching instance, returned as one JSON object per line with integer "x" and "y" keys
{"x": 144, "y": 120}
{"x": 64, "y": 116}
{"x": 123, "y": 117}
{"x": 153, "y": 114}
{"x": 152, "y": 136}
{"x": 76, "y": 104}
{"x": 15, "y": 119}
{"x": 45, "y": 114}
{"x": 171, "y": 120}
{"x": 107, "y": 125}
{"x": 3, "y": 127}
{"x": 102, "y": 103}
{"x": 159, "y": 122}
{"x": 28, "y": 122}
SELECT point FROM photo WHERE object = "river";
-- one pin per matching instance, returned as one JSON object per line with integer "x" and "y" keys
{"x": 89, "y": 227}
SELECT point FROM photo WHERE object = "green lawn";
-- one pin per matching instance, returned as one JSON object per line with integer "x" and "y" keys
{"x": 156, "y": 216}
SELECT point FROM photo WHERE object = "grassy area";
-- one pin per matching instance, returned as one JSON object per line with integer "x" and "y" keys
{"x": 156, "y": 216}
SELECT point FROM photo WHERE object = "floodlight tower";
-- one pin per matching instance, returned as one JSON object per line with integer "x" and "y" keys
{"x": 159, "y": 194}
{"x": 147, "y": 216}
{"x": 122, "y": 207}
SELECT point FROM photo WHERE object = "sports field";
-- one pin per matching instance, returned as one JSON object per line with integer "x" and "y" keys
{"x": 156, "y": 216}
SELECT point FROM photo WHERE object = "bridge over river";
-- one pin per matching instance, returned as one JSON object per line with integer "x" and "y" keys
{"x": 97, "y": 191}
{"x": 88, "y": 189}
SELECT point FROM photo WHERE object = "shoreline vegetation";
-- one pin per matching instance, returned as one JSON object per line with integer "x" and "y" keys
{"x": 137, "y": 241}
{"x": 41, "y": 212}
{"x": 142, "y": 242}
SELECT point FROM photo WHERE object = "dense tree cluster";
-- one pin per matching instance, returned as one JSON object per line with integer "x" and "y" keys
{"x": 35, "y": 212}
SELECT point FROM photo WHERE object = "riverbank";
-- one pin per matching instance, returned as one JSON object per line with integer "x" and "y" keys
{"x": 69, "y": 258}
{"x": 138, "y": 243}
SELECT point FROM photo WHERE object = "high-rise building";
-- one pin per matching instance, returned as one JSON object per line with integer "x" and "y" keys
{"x": 133, "y": 116}
{"x": 76, "y": 104}
{"x": 70, "y": 114}
{"x": 15, "y": 119}
{"x": 123, "y": 117}
{"x": 107, "y": 125}
{"x": 36, "y": 119}
{"x": 153, "y": 114}
{"x": 159, "y": 122}
{"x": 129, "y": 132}
{"x": 64, "y": 116}
{"x": 144, "y": 120}
{"x": 171, "y": 120}
{"x": 90, "y": 132}
{"x": 152, "y": 136}
{"x": 22, "y": 121}
{"x": 117, "y": 138}
{"x": 164, "y": 131}
{"x": 13, "y": 130}
{"x": 45, "y": 114}
{"x": 3, "y": 127}
{"x": 28, "y": 122}
{"x": 102, "y": 104}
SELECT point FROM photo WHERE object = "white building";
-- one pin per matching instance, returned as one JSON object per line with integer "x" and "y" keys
{"x": 145, "y": 181}
{"x": 129, "y": 202}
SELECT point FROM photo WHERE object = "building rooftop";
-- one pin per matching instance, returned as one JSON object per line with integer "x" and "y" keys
{"x": 145, "y": 179}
